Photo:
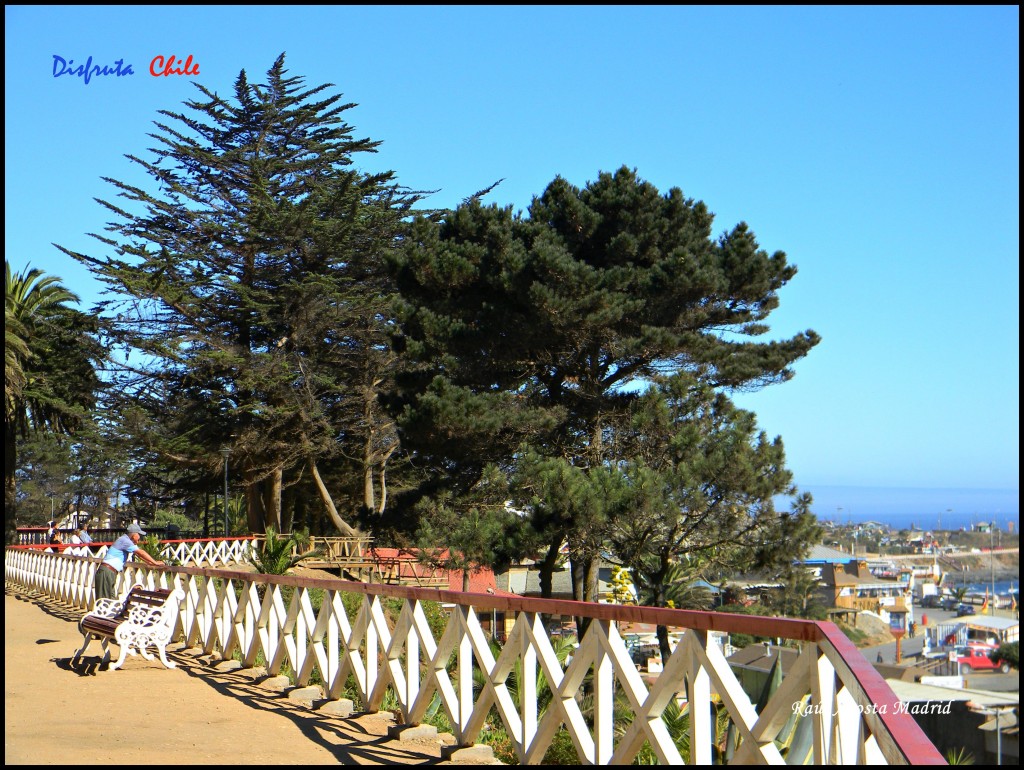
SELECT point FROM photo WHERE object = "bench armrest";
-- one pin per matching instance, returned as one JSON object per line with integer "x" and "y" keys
{"x": 145, "y": 616}
{"x": 108, "y": 608}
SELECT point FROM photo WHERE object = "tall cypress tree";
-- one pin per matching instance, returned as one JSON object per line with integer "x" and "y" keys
{"x": 554, "y": 317}
{"x": 249, "y": 298}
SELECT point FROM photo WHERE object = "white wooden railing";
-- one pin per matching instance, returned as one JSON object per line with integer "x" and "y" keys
{"x": 300, "y": 625}
{"x": 210, "y": 552}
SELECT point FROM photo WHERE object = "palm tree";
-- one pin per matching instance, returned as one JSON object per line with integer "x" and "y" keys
{"x": 15, "y": 352}
{"x": 670, "y": 584}
{"x": 49, "y": 377}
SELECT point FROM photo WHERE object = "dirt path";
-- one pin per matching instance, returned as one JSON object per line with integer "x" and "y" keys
{"x": 143, "y": 714}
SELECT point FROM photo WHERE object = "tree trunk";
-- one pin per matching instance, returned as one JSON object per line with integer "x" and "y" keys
{"x": 253, "y": 502}
{"x": 288, "y": 513}
{"x": 584, "y": 586}
{"x": 585, "y": 570}
{"x": 663, "y": 645}
{"x": 383, "y": 489}
{"x": 10, "y": 483}
{"x": 328, "y": 502}
{"x": 368, "y": 497}
{"x": 660, "y": 601}
{"x": 546, "y": 568}
{"x": 593, "y": 578}
{"x": 272, "y": 500}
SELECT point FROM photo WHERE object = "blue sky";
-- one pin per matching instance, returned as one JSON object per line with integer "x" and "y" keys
{"x": 877, "y": 147}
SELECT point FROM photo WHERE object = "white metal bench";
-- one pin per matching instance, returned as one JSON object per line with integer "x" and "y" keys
{"x": 140, "y": 618}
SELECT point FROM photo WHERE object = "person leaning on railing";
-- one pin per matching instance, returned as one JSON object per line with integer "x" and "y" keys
{"x": 105, "y": 582}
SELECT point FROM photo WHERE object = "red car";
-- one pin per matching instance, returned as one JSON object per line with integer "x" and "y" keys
{"x": 976, "y": 658}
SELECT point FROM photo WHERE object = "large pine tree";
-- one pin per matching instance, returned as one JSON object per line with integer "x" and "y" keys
{"x": 552, "y": 319}
{"x": 702, "y": 482}
{"x": 248, "y": 295}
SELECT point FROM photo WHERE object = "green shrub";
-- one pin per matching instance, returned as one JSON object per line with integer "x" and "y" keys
{"x": 1008, "y": 652}
{"x": 497, "y": 738}
{"x": 562, "y": 751}
{"x": 855, "y": 635}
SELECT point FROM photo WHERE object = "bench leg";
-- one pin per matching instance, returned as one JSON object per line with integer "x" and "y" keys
{"x": 85, "y": 643}
{"x": 124, "y": 654}
{"x": 161, "y": 650}
{"x": 104, "y": 647}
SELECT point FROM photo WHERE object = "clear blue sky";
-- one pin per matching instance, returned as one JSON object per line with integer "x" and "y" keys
{"x": 877, "y": 147}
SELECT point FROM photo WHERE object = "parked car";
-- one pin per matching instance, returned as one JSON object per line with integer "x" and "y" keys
{"x": 949, "y": 603}
{"x": 931, "y": 602}
{"x": 964, "y": 609}
{"x": 976, "y": 658}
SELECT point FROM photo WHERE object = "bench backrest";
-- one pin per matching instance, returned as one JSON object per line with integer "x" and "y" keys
{"x": 144, "y": 597}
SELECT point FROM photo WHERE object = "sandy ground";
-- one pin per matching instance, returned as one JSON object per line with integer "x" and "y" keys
{"x": 58, "y": 713}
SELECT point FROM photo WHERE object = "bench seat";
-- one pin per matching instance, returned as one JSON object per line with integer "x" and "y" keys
{"x": 140, "y": 618}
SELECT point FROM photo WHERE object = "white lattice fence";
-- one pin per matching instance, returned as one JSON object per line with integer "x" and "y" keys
{"x": 598, "y": 697}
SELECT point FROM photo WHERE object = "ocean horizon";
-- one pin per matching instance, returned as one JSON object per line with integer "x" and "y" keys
{"x": 925, "y": 508}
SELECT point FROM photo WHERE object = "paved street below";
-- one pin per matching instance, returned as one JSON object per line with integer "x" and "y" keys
{"x": 910, "y": 650}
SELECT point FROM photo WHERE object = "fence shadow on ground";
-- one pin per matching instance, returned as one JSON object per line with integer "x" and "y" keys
{"x": 352, "y": 740}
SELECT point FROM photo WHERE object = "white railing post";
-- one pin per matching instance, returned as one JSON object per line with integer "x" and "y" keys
{"x": 528, "y": 680}
{"x": 372, "y": 605}
{"x": 823, "y": 686}
{"x": 604, "y": 694}
{"x": 464, "y": 673}
{"x": 412, "y": 657}
{"x": 698, "y": 695}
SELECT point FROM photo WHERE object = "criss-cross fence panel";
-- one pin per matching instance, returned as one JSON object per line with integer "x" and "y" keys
{"x": 213, "y": 552}
{"x": 372, "y": 640}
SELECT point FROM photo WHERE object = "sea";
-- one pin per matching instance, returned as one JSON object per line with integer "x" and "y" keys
{"x": 1002, "y": 587}
{"x": 922, "y": 508}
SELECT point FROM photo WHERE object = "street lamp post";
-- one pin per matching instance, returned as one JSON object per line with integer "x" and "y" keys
{"x": 992, "y": 562}
{"x": 226, "y": 451}
{"x": 996, "y": 712}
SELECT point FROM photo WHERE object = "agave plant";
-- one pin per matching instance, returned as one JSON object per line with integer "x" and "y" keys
{"x": 277, "y": 555}
{"x": 960, "y": 756}
{"x": 151, "y": 544}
